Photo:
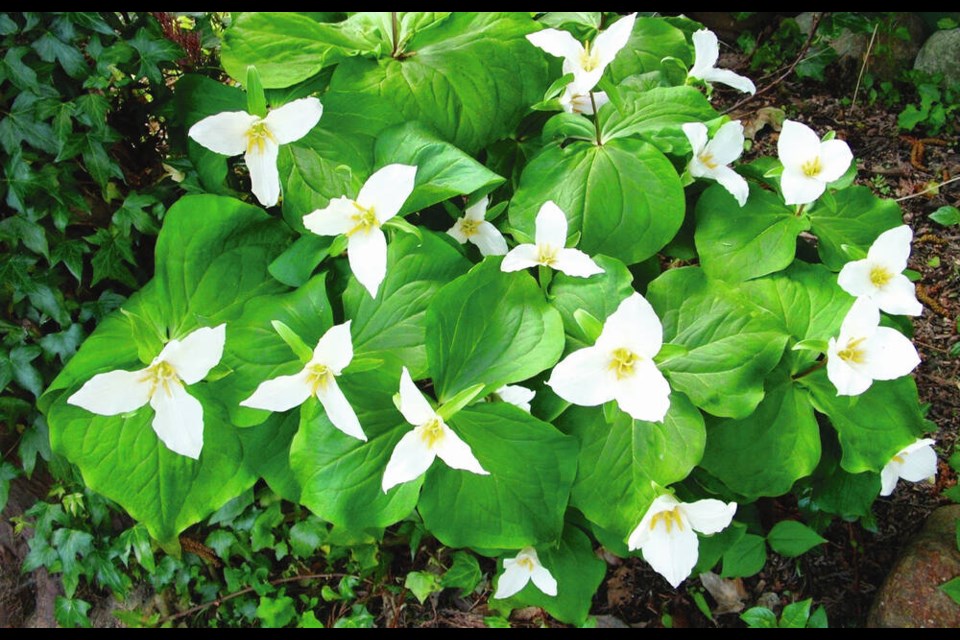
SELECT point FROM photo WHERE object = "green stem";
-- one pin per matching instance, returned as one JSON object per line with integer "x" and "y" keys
{"x": 818, "y": 365}
{"x": 545, "y": 276}
{"x": 800, "y": 210}
{"x": 596, "y": 119}
{"x": 395, "y": 24}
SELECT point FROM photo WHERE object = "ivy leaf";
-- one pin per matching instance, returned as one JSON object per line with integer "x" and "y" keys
{"x": 63, "y": 344}
{"x": 422, "y": 584}
{"x": 51, "y": 48}
{"x": 131, "y": 213}
{"x": 31, "y": 234}
{"x": 108, "y": 260}
{"x": 276, "y": 612}
{"x": 24, "y": 373}
{"x": 70, "y": 252}
{"x": 7, "y": 473}
{"x": 99, "y": 164}
{"x": 72, "y": 612}
{"x": 463, "y": 574}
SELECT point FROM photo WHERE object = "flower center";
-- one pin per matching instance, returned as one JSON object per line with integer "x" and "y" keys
{"x": 853, "y": 351}
{"x": 589, "y": 60}
{"x": 812, "y": 168}
{"x": 668, "y": 518}
{"x": 162, "y": 376}
{"x": 469, "y": 228}
{"x": 707, "y": 160}
{"x": 364, "y": 219}
{"x": 898, "y": 459}
{"x": 546, "y": 254}
{"x": 257, "y": 137}
{"x": 319, "y": 376}
{"x": 622, "y": 362}
{"x": 526, "y": 563}
{"x": 880, "y": 276}
{"x": 432, "y": 433}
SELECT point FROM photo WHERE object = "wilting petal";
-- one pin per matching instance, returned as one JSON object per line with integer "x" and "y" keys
{"x": 457, "y": 453}
{"x": 709, "y": 516}
{"x": 520, "y": 257}
{"x": 224, "y": 133}
{"x": 854, "y": 278}
{"x": 847, "y": 380}
{"x": 892, "y": 248}
{"x": 335, "y": 348}
{"x": 387, "y": 189}
{"x": 551, "y": 226}
{"x": 179, "y": 419}
{"x": 264, "y": 177}
{"x": 734, "y": 183}
{"x": 888, "y": 478}
{"x": 645, "y": 394}
{"x": 696, "y": 133}
{"x": 835, "y": 159}
{"x": 892, "y": 355}
{"x": 339, "y": 410}
{"x": 731, "y": 79}
{"x": 797, "y": 144}
{"x": 513, "y": 579}
{"x": 898, "y": 297}
{"x": 635, "y": 326}
{"x": 609, "y": 42}
{"x": 727, "y": 144}
{"x": 584, "y": 378}
{"x": 576, "y": 263}
{"x": 557, "y": 43}
{"x": 516, "y": 395}
{"x": 334, "y": 219}
{"x": 367, "y": 254}
{"x": 281, "y": 393}
{"x": 294, "y": 120}
{"x": 113, "y": 392}
{"x": 544, "y": 580}
{"x": 674, "y": 554}
{"x": 410, "y": 459}
{"x": 919, "y": 461}
{"x": 414, "y": 407}
{"x": 798, "y": 188}
{"x": 197, "y": 353}
{"x": 706, "y": 52}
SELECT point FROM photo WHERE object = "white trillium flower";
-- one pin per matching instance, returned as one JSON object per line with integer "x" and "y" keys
{"x": 473, "y": 227}
{"x": 520, "y": 570}
{"x": 179, "y": 416}
{"x": 234, "y": 132}
{"x": 879, "y": 276}
{"x": 667, "y": 533}
{"x": 516, "y": 395}
{"x": 808, "y": 164}
{"x": 915, "y": 463}
{"x": 710, "y": 159}
{"x": 417, "y": 450}
{"x": 548, "y": 251}
{"x": 865, "y": 351}
{"x": 706, "y": 52}
{"x": 380, "y": 199}
{"x": 580, "y": 102}
{"x": 619, "y": 366}
{"x": 585, "y": 62}
{"x": 333, "y": 353}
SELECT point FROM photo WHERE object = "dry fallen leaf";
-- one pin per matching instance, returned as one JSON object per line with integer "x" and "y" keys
{"x": 729, "y": 594}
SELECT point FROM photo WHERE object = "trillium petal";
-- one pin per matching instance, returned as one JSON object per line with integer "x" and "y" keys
{"x": 576, "y": 263}
{"x": 224, "y": 133}
{"x": 335, "y": 348}
{"x": 294, "y": 120}
{"x": 551, "y": 226}
{"x": 544, "y": 580}
{"x": 517, "y": 396}
{"x": 179, "y": 419}
{"x": 414, "y": 407}
{"x": 854, "y": 278}
{"x": 367, "y": 254}
{"x": 835, "y": 159}
{"x": 709, "y": 516}
{"x": 339, "y": 410}
{"x": 731, "y": 79}
{"x": 797, "y": 145}
{"x": 456, "y": 232}
{"x": 888, "y": 478}
{"x": 557, "y": 43}
{"x": 635, "y": 326}
{"x": 860, "y": 322}
{"x": 640, "y": 534}
{"x": 387, "y": 189}
{"x": 281, "y": 393}
{"x": 410, "y": 459}
{"x": 847, "y": 380}
{"x": 584, "y": 378}
{"x": 332, "y": 220}
{"x": 892, "y": 355}
{"x": 477, "y": 210}
{"x": 522, "y": 256}
{"x": 706, "y": 52}
{"x": 197, "y": 353}
{"x": 898, "y": 297}
{"x": 513, "y": 579}
{"x": 609, "y": 42}
{"x": 113, "y": 392}
{"x": 734, "y": 183}
{"x": 798, "y": 188}
{"x": 696, "y": 133}
{"x": 727, "y": 144}
{"x": 264, "y": 176}
{"x": 892, "y": 248}
{"x": 919, "y": 464}
{"x": 489, "y": 240}
{"x": 674, "y": 554}
{"x": 457, "y": 453}
{"x": 645, "y": 394}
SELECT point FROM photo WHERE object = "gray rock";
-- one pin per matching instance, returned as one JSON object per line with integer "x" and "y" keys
{"x": 941, "y": 54}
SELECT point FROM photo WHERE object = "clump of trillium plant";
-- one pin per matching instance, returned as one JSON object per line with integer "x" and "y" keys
{"x": 442, "y": 272}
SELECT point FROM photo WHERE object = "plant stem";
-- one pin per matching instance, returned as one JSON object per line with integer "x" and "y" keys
{"x": 395, "y": 25}
{"x": 818, "y": 365}
{"x": 800, "y": 210}
{"x": 928, "y": 189}
{"x": 596, "y": 119}
{"x": 863, "y": 67}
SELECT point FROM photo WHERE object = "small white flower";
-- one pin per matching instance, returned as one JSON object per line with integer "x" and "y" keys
{"x": 234, "y": 132}
{"x": 865, "y": 351}
{"x": 520, "y": 570}
{"x": 417, "y": 450}
{"x": 666, "y": 534}
{"x": 585, "y": 62}
{"x": 380, "y": 199}
{"x": 473, "y": 227}
{"x": 619, "y": 366}
{"x": 915, "y": 463}
{"x": 706, "y": 50}
{"x": 516, "y": 395}
{"x": 879, "y": 276}
{"x": 548, "y": 251}
{"x": 179, "y": 416}
{"x": 333, "y": 353}
{"x": 710, "y": 159}
{"x": 808, "y": 164}
{"x": 580, "y": 102}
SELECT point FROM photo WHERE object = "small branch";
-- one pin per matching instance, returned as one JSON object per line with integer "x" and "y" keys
{"x": 863, "y": 67}
{"x": 819, "y": 365}
{"x": 596, "y": 119}
{"x": 395, "y": 24}
{"x": 928, "y": 189}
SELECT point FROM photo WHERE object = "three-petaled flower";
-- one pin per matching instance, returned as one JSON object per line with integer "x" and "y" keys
{"x": 667, "y": 533}
{"x": 879, "y": 276}
{"x": 474, "y": 228}
{"x": 520, "y": 570}
{"x": 914, "y": 463}
{"x": 619, "y": 366}
{"x": 865, "y": 351}
{"x": 706, "y": 52}
{"x": 548, "y": 250}
{"x": 179, "y": 416}
{"x": 380, "y": 199}
{"x": 333, "y": 353}
{"x": 710, "y": 159}
{"x": 516, "y": 395}
{"x": 417, "y": 449}
{"x": 582, "y": 102}
{"x": 809, "y": 164}
{"x": 234, "y": 132}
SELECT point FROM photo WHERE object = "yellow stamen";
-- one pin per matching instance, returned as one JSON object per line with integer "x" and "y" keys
{"x": 364, "y": 219}
{"x": 707, "y": 160}
{"x": 432, "y": 433}
{"x": 880, "y": 276}
{"x": 161, "y": 375}
{"x": 622, "y": 362}
{"x": 853, "y": 352}
{"x": 469, "y": 227}
{"x": 812, "y": 168}
{"x": 668, "y": 518}
{"x": 257, "y": 137}
{"x": 526, "y": 563}
{"x": 898, "y": 459}
{"x": 589, "y": 60}
{"x": 319, "y": 377}
{"x": 546, "y": 254}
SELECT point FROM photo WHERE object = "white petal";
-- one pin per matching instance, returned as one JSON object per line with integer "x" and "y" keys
{"x": 640, "y": 534}
{"x": 854, "y": 278}
{"x": 477, "y": 210}
{"x": 609, "y": 43}
{"x": 798, "y": 188}
{"x": 197, "y": 353}
{"x": 727, "y": 145}
{"x": 334, "y": 219}
{"x": 696, "y": 133}
{"x": 224, "y": 133}
{"x": 709, "y": 516}
{"x": 335, "y": 348}
{"x": 557, "y": 43}
{"x": 892, "y": 248}
{"x": 387, "y": 189}
{"x": 797, "y": 145}
{"x": 706, "y": 50}
{"x": 339, "y": 410}
{"x": 179, "y": 420}
{"x": 898, "y": 297}
{"x": 835, "y": 159}
{"x": 576, "y": 263}
{"x": 414, "y": 407}
{"x": 544, "y": 580}
{"x": 892, "y": 355}
{"x": 410, "y": 459}
{"x": 367, "y": 254}
{"x": 645, "y": 394}
{"x": 514, "y": 577}
{"x": 635, "y": 326}
{"x": 551, "y": 226}
{"x": 264, "y": 176}
{"x": 294, "y": 120}
{"x": 489, "y": 240}
{"x": 733, "y": 182}
{"x": 520, "y": 257}
{"x": 584, "y": 378}
{"x": 674, "y": 554}
{"x": 889, "y": 477}
{"x": 919, "y": 464}
{"x": 456, "y": 231}
{"x": 113, "y": 392}
{"x": 457, "y": 453}
{"x": 281, "y": 393}
{"x": 731, "y": 79}
{"x": 517, "y": 396}
{"x": 847, "y": 380}
{"x": 861, "y": 321}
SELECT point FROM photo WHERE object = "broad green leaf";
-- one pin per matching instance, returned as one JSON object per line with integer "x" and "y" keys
{"x": 854, "y": 217}
{"x": 269, "y": 447}
{"x": 490, "y": 327}
{"x": 393, "y": 324}
{"x": 745, "y": 558}
{"x": 739, "y": 243}
{"x": 659, "y": 112}
{"x": 795, "y": 614}
{"x": 295, "y": 265}
{"x": 72, "y": 612}
{"x": 731, "y": 344}
{"x": 463, "y": 574}
{"x": 946, "y": 216}
{"x": 652, "y": 40}
{"x": 624, "y": 198}
{"x": 952, "y": 589}
{"x": 276, "y": 612}
{"x": 586, "y": 23}
{"x": 620, "y": 462}
{"x": 791, "y": 538}
{"x": 598, "y": 295}
{"x": 521, "y": 502}
{"x": 422, "y": 584}
{"x": 759, "y": 618}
